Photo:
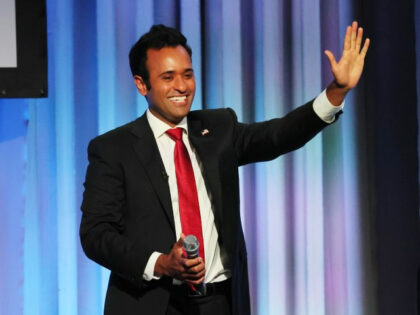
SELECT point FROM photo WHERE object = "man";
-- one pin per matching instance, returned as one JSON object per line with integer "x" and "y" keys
{"x": 173, "y": 171}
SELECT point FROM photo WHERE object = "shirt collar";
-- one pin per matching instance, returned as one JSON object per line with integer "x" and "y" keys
{"x": 159, "y": 127}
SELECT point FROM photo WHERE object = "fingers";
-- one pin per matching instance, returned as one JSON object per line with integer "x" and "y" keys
{"x": 365, "y": 48}
{"x": 178, "y": 247}
{"x": 180, "y": 242}
{"x": 189, "y": 263}
{"x": 182, "y": 268}
{"x": 356, "y": 39}
{"x": 194, "y": 269}
{"x": 192, "y": 276}
{"x": 194, "y": 265}
{"x": 347, "y": 39}
{"x": 359, "y": 39}
{"x": 353, "y": 35}
{"x": 331, "y": 58}
{"x": 353, "y": 41}
{"x": 194, "y": 273}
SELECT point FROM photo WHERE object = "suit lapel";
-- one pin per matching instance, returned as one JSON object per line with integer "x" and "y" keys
{"x": 203, "y": 143}
{"x": 148, "y": 153}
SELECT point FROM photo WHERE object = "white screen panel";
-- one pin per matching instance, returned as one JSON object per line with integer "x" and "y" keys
{"x": 8, "y": 56}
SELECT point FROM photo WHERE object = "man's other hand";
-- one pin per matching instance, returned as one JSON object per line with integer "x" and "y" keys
{"x": 175, "y": 265}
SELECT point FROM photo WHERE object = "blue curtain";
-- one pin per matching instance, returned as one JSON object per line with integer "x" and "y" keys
{"x": 308, "y": 216}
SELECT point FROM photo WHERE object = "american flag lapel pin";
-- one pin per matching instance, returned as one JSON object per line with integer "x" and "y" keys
{"x": 204, "y": 132}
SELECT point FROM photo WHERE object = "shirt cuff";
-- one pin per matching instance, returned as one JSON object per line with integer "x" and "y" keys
{"x": 324, "y": 109}
{"x": 149, "y": 271}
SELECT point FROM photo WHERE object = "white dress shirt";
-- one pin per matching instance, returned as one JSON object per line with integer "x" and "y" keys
{"x": 215, "y": 271}
{"x": 213, "y": 261}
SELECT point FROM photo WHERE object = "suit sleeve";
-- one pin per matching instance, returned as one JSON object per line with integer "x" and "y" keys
{"x": 267, "y": 140}
{"x": 102, "y": 225}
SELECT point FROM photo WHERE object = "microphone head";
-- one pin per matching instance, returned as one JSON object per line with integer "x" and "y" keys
{"x": 191, "y": 245}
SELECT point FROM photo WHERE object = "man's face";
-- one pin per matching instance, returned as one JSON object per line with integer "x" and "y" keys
{"x": 172, "y": 83}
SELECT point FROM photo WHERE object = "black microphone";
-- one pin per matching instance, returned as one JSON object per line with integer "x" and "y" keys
{"x": 191, "y": 246}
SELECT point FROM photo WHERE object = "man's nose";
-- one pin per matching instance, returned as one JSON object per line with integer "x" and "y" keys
{"x": 180, "y": 84}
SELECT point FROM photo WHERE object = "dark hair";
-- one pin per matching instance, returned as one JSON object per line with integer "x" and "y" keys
{"x": 159, "y": 36}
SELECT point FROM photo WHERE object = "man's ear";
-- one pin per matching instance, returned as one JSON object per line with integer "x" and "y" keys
{"x": 141, "y": 85}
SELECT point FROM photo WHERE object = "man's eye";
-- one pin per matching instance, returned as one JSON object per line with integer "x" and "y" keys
{"x": 167, "y": 77}
{"x": 189, "y": 75}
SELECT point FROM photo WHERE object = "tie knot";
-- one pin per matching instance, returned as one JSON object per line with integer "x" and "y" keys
{"x": 175, "y": 133}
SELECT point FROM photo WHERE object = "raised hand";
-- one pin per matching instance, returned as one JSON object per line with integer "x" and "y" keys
{"x": 348, "y": 69}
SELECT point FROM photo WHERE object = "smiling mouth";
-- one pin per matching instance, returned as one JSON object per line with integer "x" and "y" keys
{"x": 178, "y": 99}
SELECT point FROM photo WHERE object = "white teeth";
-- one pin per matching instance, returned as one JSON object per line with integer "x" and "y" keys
{"x": 178, "y": 98}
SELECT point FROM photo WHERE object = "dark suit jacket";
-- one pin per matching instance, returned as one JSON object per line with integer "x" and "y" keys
{"x": 127, "y": 211}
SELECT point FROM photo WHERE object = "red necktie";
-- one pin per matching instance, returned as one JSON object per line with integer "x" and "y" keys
{"x": 189, "y": 208}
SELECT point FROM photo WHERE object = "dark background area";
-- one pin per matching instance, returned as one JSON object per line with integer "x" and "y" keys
{"x": 391, "y": 142}
{"x": 29, "y": 79}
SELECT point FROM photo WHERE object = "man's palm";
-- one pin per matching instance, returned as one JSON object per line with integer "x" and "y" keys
{"x": 348, "y": 69}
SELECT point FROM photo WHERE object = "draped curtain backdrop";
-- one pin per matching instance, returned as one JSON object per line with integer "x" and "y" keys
{"x": 330, "y": 229}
